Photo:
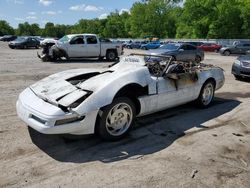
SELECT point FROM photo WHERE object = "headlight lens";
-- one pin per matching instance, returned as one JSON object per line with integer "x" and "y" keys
{"x": 69, "y": 120}
{"x": 237, "y": 62}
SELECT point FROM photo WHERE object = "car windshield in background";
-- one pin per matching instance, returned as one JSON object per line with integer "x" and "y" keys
{"x": 64, "y": 39}
{"x": 20, "y": 39}
{"x": 170, "y": 46}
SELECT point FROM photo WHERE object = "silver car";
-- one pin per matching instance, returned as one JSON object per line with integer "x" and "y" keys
{"x": 180, "y": 52}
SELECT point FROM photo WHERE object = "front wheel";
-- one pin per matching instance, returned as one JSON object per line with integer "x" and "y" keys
{"x": 206, "y": 95}
{"x": 227, "y": 53}
{"x": 197, "y": 59}
{"x": 111, "y": 55}
{"x": 116, "y": 119}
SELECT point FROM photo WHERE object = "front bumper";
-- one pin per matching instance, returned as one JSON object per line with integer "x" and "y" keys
{"x": 239, "y": 70}
{"x": 42, "y": 116}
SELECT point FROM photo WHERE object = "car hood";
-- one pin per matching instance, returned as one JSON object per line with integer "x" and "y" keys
{"x": 245, "y": 58}
{"x": 55, "y": 88}
{"x": 65, "y": 88}
{"x": 160, "y": 51}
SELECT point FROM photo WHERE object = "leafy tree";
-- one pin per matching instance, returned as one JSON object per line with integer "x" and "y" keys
{"x": 5, "y": 28}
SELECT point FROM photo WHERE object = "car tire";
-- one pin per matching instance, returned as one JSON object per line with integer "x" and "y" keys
{"x": 116, "y": 119}
{"x": 227, "y": 53}
{"x": 237, "y": 77}
{"x": 206, "y": 95}
{"x": 111, "y": 55}
{"x": 173, "y": 58}
{"x": 36, "y": 46}
{"x": 197, "y": 59}
{"x": 144, "y": 48}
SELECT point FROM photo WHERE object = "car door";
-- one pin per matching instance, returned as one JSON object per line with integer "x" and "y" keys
{"x": 93, "y": 46}
{"x": 182, "y": 53}
{"x": 191, "y": 52}
{"x": 173, "y": 92}
{"x": 77, "y": 47}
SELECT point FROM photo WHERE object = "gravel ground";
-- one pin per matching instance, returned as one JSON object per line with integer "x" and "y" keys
{"x": 179, "y": 147}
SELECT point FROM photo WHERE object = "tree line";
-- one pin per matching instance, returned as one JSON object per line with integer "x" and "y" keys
{"x": 157, "y": 18}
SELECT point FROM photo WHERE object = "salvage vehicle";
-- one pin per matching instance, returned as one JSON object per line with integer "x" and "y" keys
{"x": 81, "y": 46}
{"x": 24, "y": 43}
{"x": 238, "y": 48}
{"x": 241, "y": 67}
{"x": 106, "y": 101}
{"x": 180, "y": 52}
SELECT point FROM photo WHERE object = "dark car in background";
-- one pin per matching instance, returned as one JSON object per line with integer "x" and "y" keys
{"x": 180, "y": 52}
{"x": 239, "y": 48}
{"x": 210, "y": 47}
{"x": 194, "y": 43}
{"x": 8, "y": 38}
{"x": 241, "y": 67}
{"x": 136, "y": 44}
{"x": 25, "y": 42}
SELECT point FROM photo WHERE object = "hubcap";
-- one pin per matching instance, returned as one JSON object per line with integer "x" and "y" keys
{"x": 111, "y": 55}
{"x": 207, "y": 94}
{"x": 119, "y": 119}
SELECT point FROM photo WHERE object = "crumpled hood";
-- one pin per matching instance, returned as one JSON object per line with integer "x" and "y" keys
{"x": 67, "y": 87}
{"x": 57, "y": 87}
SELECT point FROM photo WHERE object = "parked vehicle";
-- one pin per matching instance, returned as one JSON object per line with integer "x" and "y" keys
{"x": 24, "y": 42}
{"x": 241, "y": 67}
{"x": 239, "y": 48}
{"x": 151, "y": 45}
{"x": 136, "y": 44}
{"x": 81, "y": 46}
{"x": 210, "y": 47}
{"x": 180, "y": 52}
{"x": 8, "y": 38}
{"x": 106, "y": 101}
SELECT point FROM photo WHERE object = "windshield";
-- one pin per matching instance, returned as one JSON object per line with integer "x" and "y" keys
{"x": 20, "y": 39}
{"x": 170, "y": 46}
{"x": 64, "y": 39}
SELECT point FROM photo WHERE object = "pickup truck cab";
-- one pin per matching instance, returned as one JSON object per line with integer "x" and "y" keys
{"x": 83, "y": 46}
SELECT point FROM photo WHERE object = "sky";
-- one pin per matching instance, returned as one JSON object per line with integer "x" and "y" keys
{"x": 58, "y": 11}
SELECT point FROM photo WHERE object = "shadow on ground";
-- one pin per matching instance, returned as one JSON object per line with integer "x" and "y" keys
{"x": 151, "y": 134}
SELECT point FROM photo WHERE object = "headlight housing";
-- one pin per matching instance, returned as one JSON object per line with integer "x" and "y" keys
{"x": 237, "y": 62}
{"x": 69, "y": 120}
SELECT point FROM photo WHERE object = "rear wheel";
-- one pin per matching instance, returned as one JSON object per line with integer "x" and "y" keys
{"x": 197, "y": 59}
{"x": 227, "y": 53}
{"x": 116, "y": 119}
{"x": 111, "y": 55}
{"x": 237, "y": 77}
{"x": 207, "y": 94}
{"x": 144, "y": 48}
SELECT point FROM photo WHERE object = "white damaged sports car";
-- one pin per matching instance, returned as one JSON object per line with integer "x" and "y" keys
{"x": 87, "y": 101}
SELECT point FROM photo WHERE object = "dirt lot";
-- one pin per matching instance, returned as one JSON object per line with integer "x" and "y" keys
{"x": 180, "y": 147}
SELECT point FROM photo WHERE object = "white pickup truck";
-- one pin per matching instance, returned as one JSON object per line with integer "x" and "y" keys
{"x": 81, "y": 46}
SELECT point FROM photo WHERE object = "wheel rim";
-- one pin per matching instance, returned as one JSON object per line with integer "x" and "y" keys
{"x": 198, "y": 59}
{"x": 111, "y": 55}
{"x": 207, "y": 94}
{"x": 227, "y": 53}
{"x": 119, "y": 119}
